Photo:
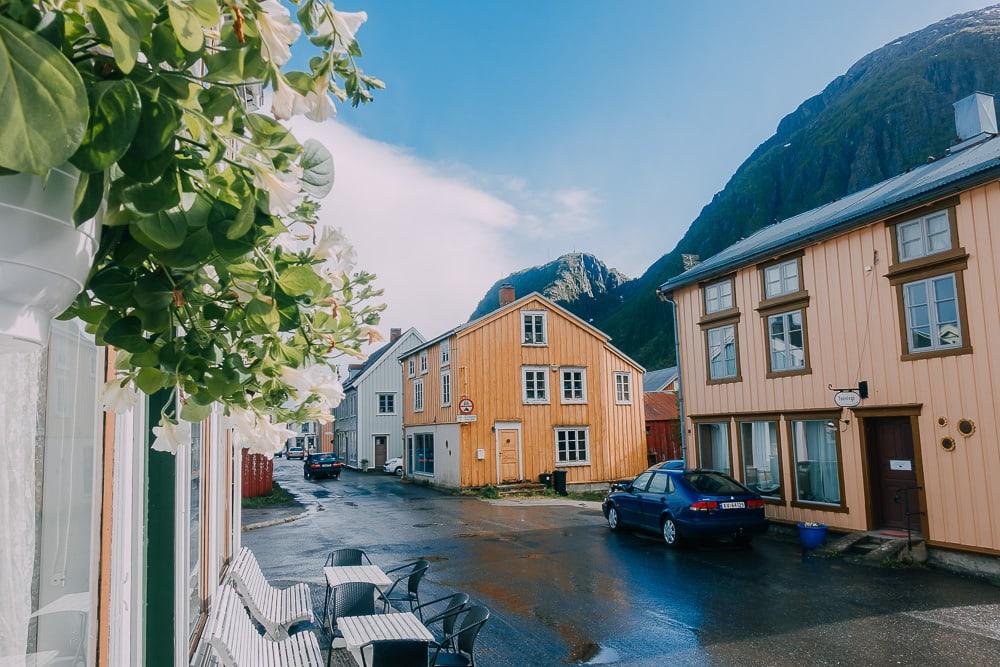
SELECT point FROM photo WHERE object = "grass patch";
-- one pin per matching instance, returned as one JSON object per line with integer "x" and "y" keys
{"x": 591, "y": 496}
{"x": 490, "y": 492}
{"x": 278, "y": 496}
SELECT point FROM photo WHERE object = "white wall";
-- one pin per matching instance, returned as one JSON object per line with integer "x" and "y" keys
{"x": 447, "y": 446}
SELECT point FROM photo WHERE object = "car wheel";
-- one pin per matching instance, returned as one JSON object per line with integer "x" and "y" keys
{"x": 305, "y": 475}
{"x": 671, "y": 535}
{"x": 614, "y": 523}
{"x": 398, "y": 471}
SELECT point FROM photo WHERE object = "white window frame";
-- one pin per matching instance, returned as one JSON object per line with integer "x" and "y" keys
{"x": 714, "y": 294}
{"x": 411, "y": 366}
{"x": 721, "y": 347}
{"x": 418, "y": 393}
{"x": 378, "y": 403}
{"x": 544, "y": 372}
{"x": 586, "y": 445}
{"x": 923, "y": 225}
{"x": 525, "y": 314}
{"x": 933, "y": 324}
{"x": 445, "y": 353}
{"x": 786, "y": 317}
{"x": 623, "y": 380}
{"x": 423, "y": 362}
{"x": 445, "y": 389}
{"x": 562, "y": 385}
{"x": 786, "y": 271}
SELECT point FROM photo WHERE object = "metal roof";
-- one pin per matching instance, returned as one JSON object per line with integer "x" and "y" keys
{"x": 658, "y": 379}
{"x": 374, "y": 357}
{"x": 952, "y": 173}
{"x": 660, "y": 406}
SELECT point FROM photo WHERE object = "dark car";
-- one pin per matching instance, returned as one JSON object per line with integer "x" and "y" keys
{"x": 322, "y": 464}
{"x": 684, "y": 504}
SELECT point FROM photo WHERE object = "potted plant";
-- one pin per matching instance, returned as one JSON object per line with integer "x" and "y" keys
{"x": 198, "y": 253}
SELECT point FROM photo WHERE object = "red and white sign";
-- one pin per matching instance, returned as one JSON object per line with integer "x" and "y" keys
{"x": 466, "y": 406}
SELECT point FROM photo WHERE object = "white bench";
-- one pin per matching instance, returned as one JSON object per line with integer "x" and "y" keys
{"x": 235, "y": 642}
{"x": 277, "y": 609}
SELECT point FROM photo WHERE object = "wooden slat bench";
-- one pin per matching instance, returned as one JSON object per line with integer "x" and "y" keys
{"x": 235, "y": 642}
{"x": 277, "y": 609}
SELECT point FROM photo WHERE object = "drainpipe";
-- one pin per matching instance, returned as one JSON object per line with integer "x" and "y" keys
{"x": 667, "y": 297}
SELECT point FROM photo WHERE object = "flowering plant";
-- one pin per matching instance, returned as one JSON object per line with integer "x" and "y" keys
{"x": 212, "y": 275}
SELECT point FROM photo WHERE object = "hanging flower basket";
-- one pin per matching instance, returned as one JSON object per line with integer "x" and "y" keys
{"x": 44, "y": 257}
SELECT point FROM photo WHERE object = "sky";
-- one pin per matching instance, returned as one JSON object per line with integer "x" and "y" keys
{"x": 511, "y": 133}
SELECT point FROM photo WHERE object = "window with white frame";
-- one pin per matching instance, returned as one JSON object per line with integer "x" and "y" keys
{"x": 387, "y": 403}
{"x": 924, "y": 236}
{"x": 423, "y": 362}
{"x": 623, "y": 388}
{"x": 722, "y": 352}
{"x": 572, "y": 445}
{"x": 718, "y": 296}
{"x": 418, "y": 395}
{"x": 786, "y": 342}
{"x": 932, "y": 321}
{"x": 445, "y": 389}
{"x": 535, "y": 384}
{"x": 781, "y": 278}
{"x": 573, "y": 383}
{"x": 534, "y": 327}
{"x": 411, "y": 367}
{"x": 445, "y": 353}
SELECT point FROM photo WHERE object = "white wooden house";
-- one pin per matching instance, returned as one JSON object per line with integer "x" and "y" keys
{"x": 368, "y": 423}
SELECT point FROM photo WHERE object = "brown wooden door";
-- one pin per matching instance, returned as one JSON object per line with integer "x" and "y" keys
{"x": 892, "y": 469}
{"x": 507, "y": 441}
{"x": 381, "y": 442}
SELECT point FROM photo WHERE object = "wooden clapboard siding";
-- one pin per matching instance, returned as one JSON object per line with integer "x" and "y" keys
{"x": 854, "y": 333}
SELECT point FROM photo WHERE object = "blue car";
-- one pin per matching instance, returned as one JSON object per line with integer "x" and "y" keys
{"x": 684, "y": 504}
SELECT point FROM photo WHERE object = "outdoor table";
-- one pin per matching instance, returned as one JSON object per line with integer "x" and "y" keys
{"x": 359, "y": 630}
{"x": 346, "y": 574}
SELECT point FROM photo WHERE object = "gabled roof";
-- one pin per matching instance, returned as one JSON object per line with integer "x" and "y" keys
{"x": 374, "y": 357}
{"x": 658, "y": 379}
{"x": 660, "y": 406}
{"x": 959, "y": 171}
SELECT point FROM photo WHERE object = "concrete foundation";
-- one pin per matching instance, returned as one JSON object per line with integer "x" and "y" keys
{"x": 976, "y": 565}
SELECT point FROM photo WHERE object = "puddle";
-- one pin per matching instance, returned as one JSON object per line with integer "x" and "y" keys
{"x": 321, "y": 493}
{"x": 600, "y": 655}
{"x": 350, "y": 504}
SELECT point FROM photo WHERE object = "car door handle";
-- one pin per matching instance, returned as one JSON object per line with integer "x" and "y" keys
{"x": 663, "y": 499}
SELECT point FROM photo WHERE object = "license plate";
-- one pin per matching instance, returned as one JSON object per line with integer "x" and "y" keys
{"x": 327, "y": 465}
{"x": 733, "y": 506}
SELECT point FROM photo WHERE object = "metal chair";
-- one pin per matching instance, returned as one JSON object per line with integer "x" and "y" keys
{"x": 395, "y": 653}
{"x": 463, "y": 640}
{"x": 347, "y": 557}
{"x": 417, "y": 570}
{"x": 456, "y": 604}
{"x": 351, "y": 599}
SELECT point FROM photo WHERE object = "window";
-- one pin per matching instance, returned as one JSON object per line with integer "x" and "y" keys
{"x": 572, "y": 446}
{"x": 574, "y": 385}
{"x": 932, "y": 321}
{"x": 387, "y": 404}
{"x": 534, "y": 328}
{"x": 781, "y": 278}
{"x": 411, "y": 366}
{"x": 722, "y": 352}
{"x": 423, "y": 362}
{"x": 418, "y": 395}
{"x": 759, "y": 453}
{"x": 816, "y": 459}
{"x": 922, "y": 237}
{"x": 623, "y": 388}
{"x": 718, "y": 296}
{"x": 535, "y": 384}
{"x": 659, "y": 483}
{"x": 640, "y": 482}
{"x": 445, "y": 389}
{"x": 786, "y": 342}
{"x": 194, "y": 592}
{"x": 423, "y": 453}
{"x": 713, "y": 446}
{"x": 445, "y": 353}
{"x": 712, "y": 483}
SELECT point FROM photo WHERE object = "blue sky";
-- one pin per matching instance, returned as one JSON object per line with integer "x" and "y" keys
{"x": 605, "y": 127}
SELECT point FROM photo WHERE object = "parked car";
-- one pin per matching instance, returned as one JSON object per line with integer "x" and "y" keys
{"x": 686, "y": 504}
{"x": 322, "y": 464}
{"x": 394, "y": 465}
{"x": 295, "y": 453}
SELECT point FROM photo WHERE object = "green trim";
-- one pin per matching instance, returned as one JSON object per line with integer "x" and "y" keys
{"x": 161, "y": 471}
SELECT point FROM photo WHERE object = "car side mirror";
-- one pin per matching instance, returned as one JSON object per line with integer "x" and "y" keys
{"x": 618, "y": 486}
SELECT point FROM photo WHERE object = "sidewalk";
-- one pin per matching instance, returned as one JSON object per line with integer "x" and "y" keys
{"x": 262, "y": 517}
{"x": 558, "y": 502}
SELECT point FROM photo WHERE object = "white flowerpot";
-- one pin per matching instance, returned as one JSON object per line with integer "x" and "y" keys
{"x": 44, "y": 258}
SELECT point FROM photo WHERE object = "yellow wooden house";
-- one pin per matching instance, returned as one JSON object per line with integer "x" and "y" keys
{"x": 525, "y": 390}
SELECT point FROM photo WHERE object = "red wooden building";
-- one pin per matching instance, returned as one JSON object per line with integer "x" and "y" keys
{"x": 663, "y": 433}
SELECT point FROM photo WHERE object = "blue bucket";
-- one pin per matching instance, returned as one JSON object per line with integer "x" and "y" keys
{"x": 812, "y": 537}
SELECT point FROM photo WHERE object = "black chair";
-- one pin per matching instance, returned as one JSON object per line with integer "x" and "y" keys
{"x": 395, "y": 653}
{"x": 347, "y": 557}
{"x": 447, "y": 616}
{"x": 463, "y": 641}
{"x": 416, "y": 571}
{"x": 351, "y": 599}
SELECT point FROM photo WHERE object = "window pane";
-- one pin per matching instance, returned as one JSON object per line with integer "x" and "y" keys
{"x": 194, "y": 526}
{"x": 790, "y": 282}
{"x": 658, "y": 484}
{"x": 772, "y": 279}
{"x": 713, "y": 446}
{"x": 761, "y": 472}
{"x": 938, "y": 233}
{"x": 817, "y": 470}
{"x": 910, "y": 240}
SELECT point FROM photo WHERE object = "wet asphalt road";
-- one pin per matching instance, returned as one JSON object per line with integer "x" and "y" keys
{"x": 564, "y": 589}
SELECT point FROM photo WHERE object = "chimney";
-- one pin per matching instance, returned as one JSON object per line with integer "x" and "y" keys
{"x": 395, "y": 334}
{"x": 975, "y": 120}
{"x": 506, "y": 294}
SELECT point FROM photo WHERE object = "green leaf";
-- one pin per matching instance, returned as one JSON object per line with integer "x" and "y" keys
{"x": 146, "y": 169}
{"x": 153, "y": 291}
{"x": 162, "y": 231}
{"x": 157, "y": 320}
{"x": 126, "y": 333}
{"x": 115, "y": 110}
{"x": 157, "y": 126}
{"x": 88, "y": 197}
{"x": 124, "y": 23}
{"x": 113, "y": 285}
{"x": 162, "y": 194}
{"x": 194, "y": 413}
{"x": 299, "y": 280}
{"x": 317, "y": 169}
{"x": 42, "y": 120}
{"x": 187, "y": 26}
{"x": 196, "y": 249}
{"x": 262, "y": 318}
{"x": 244, "y": 220}
{"x": 53, "y": 28}
{"x": 150, "y": 380}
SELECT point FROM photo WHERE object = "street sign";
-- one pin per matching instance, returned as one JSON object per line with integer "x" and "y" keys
{"x": 847, "y": 398}
{"x": 466, "y": 406}
{"x": 465, "y": 419}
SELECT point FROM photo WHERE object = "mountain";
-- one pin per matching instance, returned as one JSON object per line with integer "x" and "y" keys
{"x": 889, "y": 112}
{"x": 578, "y": 281}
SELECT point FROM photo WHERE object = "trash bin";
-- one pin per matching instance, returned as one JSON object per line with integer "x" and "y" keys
{"x": 812, "y": 535}
{"x": 546, "y": 479}
{"x": 559, "y": 481}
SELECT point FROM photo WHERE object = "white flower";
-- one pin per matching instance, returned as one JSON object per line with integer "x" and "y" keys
{"x": 319, "y": 414}
{"x": 343, "y": 26}
{"x": 283, "y": 194}
{"x": 270, "y": 438}
{"x": 277, "y": 32}
{"x": 287, "y": 101}
{"x": 336, "y": 251}
{"x": 170, "y": 436}
{"x": 118, "y": 399}
{"x": 244, "y": 290}
{"x": 317, "y": 380}
{"x": 319, "y": 106}
{"x": 244, "y": 424}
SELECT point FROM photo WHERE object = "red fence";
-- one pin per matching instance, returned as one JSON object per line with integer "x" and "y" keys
{"x": 258, "y": 473}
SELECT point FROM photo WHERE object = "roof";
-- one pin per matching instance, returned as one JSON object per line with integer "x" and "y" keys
{"x": 661, "y": 406}
{"x": 658, "y": 379}
{"x": 373, "y": 359}
{"x": 959, "y": 171}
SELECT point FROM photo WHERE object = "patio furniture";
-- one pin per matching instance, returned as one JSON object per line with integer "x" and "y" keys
{"x": 360, "y": 631}
{"x": 337, "y": 575}
{"x": 456, "y": 604}
{"x": 235, "y": 641}
{"x": 276, "y": 609}
{"x": 394, "y": 653}
{"x": 463, "y": 640}
{"x": 347, "y": 557}
{"x": 416, "y": 571}
{"x": 351, "y": 599}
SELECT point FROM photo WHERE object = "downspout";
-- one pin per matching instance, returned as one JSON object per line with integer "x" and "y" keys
{"x": 668, "y": 298}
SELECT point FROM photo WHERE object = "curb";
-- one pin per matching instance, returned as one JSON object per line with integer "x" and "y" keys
{"x": 543, "y": 502}
{"x": 274, "y": 522}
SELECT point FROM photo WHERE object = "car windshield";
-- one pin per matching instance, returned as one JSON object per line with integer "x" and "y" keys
{"x": 713, "y": 483}
{"x": 323, "y": 458}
